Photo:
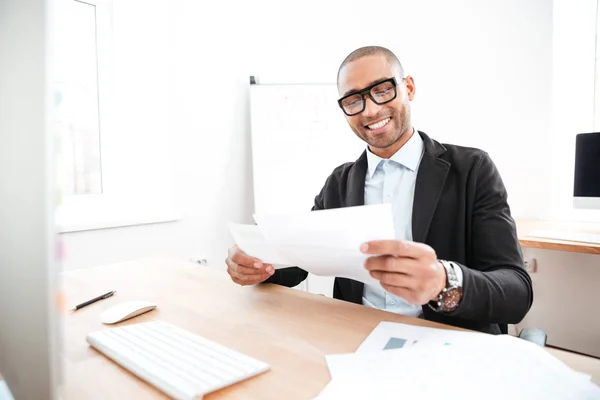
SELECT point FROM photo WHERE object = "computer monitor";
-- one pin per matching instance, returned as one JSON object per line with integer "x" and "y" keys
{"x": 28, "y": 313}
{"x": 586, "y": 187}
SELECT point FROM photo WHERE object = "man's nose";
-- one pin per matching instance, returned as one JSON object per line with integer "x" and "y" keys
{"x": 371, "y": 108}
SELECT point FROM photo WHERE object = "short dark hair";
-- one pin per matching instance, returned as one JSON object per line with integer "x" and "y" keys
{"x": 372, "y": 51}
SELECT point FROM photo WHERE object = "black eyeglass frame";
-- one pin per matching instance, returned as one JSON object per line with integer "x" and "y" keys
{"x": 367, "y": 91}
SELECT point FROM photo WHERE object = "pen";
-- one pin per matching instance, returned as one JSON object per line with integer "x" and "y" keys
{"x": 95, "y": 299}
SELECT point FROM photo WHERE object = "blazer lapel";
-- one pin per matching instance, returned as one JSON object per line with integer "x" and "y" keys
{"x": 429, "y": 186}
{"x": 355, "y": 195}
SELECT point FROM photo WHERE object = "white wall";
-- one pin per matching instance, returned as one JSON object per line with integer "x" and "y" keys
{"x": 209, "y": 142}
{"x": 474, "y": 65}
{"x": 483, "y": 72}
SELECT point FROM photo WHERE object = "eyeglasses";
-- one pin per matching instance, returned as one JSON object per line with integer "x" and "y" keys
{"x": 381, "y": 92}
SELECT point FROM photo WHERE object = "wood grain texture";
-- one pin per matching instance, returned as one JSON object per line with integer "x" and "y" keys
{"x": 526, "y": 226}
{"x": 289, "y": 329}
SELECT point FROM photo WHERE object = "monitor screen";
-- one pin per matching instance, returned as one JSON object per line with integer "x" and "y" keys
{"x": 586, "y": 188}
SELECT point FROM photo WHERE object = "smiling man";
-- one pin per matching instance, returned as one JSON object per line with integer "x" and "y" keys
{"x": 456, "y": 258}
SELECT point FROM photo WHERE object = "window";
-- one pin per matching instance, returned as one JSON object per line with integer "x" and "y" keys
{"x": 77, "y": 99}
{"x": 111, "y": 77}
{"x": 574, "y": 69}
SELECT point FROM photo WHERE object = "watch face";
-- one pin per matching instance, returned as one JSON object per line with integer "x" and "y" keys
{"x": 451, "y": 298}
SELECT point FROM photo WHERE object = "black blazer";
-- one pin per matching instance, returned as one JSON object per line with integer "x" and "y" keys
{"x": 460, "y": 210}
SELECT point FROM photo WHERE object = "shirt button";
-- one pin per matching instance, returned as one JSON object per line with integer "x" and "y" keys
{"x": 390, "y": 194}
{"x": 392, "y": 302}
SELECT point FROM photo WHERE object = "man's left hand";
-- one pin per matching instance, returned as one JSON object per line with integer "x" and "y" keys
{"x": 409, "y": 270}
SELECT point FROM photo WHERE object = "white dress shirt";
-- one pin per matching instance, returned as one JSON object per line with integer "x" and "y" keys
{"x": 393, "y": 181}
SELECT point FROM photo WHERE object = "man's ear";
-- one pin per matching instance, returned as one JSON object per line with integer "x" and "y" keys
{"x": 410, "y": 87}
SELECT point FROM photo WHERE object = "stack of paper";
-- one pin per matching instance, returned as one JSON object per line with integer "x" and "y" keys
{"x": 441, "y": 364}
{"x": 324, "y": 242}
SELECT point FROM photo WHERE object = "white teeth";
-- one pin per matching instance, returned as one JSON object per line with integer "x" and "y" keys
{"x": 379, "y": 124}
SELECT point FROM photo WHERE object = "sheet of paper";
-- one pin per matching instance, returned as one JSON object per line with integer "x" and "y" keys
{"x": 367, "y": 364}
{"x": 392, "y": 335}
{"x": 499, "y": 368}
{"x": 344, "y": 263}
{"x": 583, "y": 376}
{"x": 324, "y": 243}
{"x": 251, "y": 240}
{"x": 341, "y": 228}
{"x": 368, "y": 388}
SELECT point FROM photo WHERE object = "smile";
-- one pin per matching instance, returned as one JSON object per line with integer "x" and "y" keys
{"x": 379, "y": 124}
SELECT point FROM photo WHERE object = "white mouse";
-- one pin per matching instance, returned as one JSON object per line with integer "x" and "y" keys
{"x": 127, "y": 310}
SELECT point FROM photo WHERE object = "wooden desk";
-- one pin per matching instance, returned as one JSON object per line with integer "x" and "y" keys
{"x": 526, "y": 226}
{"x": 289, "y": 329}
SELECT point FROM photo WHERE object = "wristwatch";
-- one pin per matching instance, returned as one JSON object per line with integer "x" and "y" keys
{"x": 449, "y": 298}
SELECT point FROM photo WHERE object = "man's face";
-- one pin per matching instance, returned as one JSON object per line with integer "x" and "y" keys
{"x": 381, "y": 126}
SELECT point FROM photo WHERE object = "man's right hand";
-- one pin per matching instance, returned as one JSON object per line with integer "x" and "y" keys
{"x": 246, "y": 270}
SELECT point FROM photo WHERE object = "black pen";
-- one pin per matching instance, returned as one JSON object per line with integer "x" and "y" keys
{"x": 95, "y": 299}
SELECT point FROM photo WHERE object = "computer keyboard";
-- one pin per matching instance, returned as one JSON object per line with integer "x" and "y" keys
{"x": 179, "y": 363}
{"x": 569, "y": 236}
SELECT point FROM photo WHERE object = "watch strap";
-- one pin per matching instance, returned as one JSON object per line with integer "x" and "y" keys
{"x": 451, "y": 282}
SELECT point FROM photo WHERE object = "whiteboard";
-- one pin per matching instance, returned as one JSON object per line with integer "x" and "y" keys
{"x": 299, "y": 135}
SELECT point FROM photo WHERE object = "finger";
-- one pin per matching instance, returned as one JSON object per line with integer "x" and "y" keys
{"x": 392, "y": 264}
{"x": 241, "y": 258}
{"x": 259, "y": 268}
{"x": 239, "y": 277}
{"x": 243, "y": 279}
{"x": 402, "y": 248}
{"x": 394, "y": 279}
{"x": 232, "y": 267}
{"x": 246, "y": 270}
{"x": 248, "y": 282}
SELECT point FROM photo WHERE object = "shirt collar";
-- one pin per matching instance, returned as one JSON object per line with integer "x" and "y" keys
{"x": 408, "y": 155}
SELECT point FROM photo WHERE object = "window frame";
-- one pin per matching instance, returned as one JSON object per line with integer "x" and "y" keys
{"x": 114, "y": 207}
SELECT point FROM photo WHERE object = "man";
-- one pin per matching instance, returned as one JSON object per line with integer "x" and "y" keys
{"x": 457, "y": 258}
